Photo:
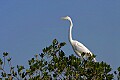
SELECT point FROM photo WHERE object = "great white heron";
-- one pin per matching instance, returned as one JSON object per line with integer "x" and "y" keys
{"x": 78, "y": 47}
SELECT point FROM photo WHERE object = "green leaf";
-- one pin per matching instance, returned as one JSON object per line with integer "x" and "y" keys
{"x": 45, "y": 73}
{"x": 54, "y": 75}
{"x": 8, "y": 59}
{"x": 27, "y": 71}
{"x": 20, "y": 68}
{"x": 3, "y": 74}
{"x": 61, "y": 53}
{"x": 45, "y": 62}
{"x": 23, "y": 74}
{"x": 55, "y": 42}
{"x": 62, "y": 44}
{"x": 14, "y": 73}
{"x": 6, "y": 78}
{"x": 9, "y": 74}
{"x": 118, "y": 69}
{"x": 41, "y": 55}
{"x": 82, "y": 54}
{"x": 44, "y": 50}
{"x": 1, "y": 62}
{"x": 5, "y": 54}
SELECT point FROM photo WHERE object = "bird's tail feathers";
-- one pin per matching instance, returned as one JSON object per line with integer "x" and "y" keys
{"x": 94, "y": 60}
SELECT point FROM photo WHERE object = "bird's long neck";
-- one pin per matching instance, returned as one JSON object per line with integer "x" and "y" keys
{"x": 70, "y": 32}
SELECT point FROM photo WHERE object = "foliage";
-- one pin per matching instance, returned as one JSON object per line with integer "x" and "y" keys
{"x": 53, "y": 64}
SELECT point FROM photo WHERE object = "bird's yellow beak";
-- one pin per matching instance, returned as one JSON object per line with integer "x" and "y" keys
{"x": 63, "y": 18}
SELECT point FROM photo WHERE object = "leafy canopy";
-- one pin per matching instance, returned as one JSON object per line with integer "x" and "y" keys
{"x": 52, "y": 63}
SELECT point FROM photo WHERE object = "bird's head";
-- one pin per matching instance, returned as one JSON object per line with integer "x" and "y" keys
{"x": 69, "y": 19}
{"x": 66, "y": 18}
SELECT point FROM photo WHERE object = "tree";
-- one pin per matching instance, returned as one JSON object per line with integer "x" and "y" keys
{"x": 52, "y": 63}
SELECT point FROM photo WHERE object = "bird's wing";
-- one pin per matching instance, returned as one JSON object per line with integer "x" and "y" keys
{"x": 79, "y": 47}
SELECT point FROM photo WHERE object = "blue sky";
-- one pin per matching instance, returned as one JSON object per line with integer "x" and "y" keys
{"x": 26, "y": 27}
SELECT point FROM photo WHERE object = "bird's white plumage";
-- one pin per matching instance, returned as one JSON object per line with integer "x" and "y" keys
{"x": 80, "y": 47}
{"x": 77, "y": 46}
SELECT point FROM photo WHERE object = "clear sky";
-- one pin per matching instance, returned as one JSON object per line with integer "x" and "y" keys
{"x": 27, "y": 26}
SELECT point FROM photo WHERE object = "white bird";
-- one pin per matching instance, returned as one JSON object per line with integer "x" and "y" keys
{"x": 78, "y": 47}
